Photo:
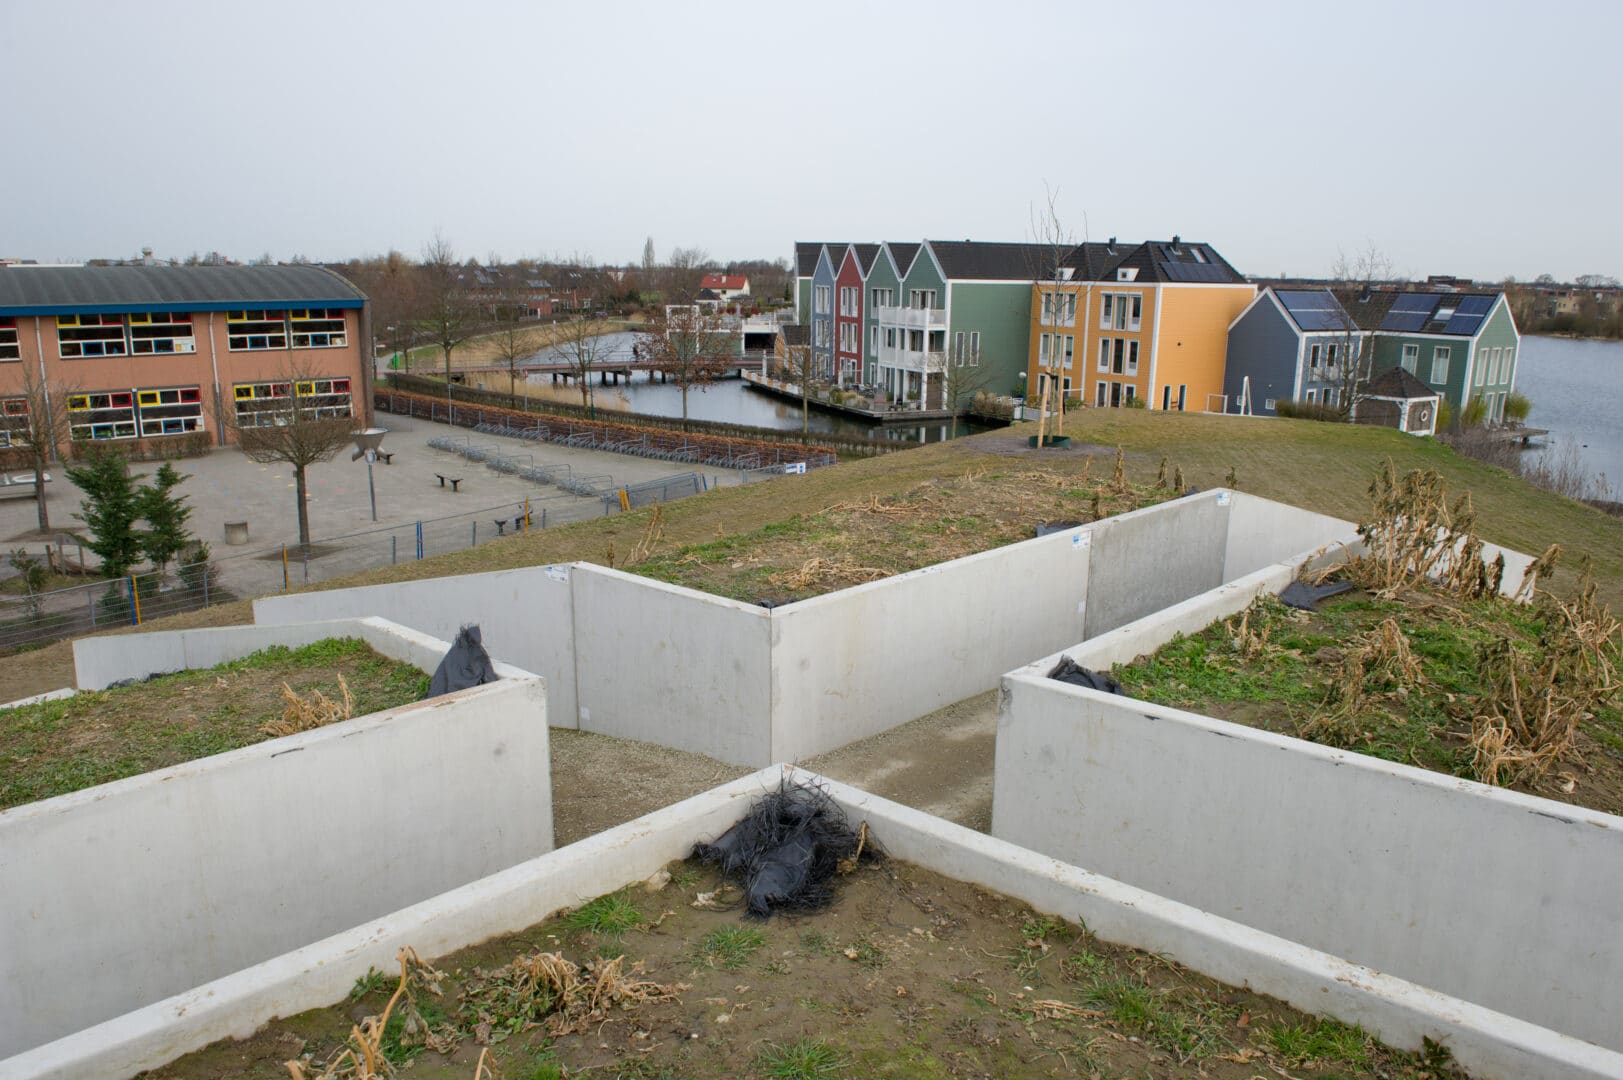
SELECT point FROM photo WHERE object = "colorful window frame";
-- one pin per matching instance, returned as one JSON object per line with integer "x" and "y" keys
{"x": 83, "y": 336}
{"x": 10, "y": 347}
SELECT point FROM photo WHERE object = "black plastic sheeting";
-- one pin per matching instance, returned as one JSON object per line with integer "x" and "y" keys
{"x": 1308, "y": 597}
{"x": 1069, "y": 671}
{"x": 1046, "y": 527}
{"x": 466, "y": 664}
{"x": 786, "y": 852}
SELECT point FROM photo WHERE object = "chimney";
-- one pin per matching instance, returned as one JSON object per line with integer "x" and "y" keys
{"x": 146, "y": 256}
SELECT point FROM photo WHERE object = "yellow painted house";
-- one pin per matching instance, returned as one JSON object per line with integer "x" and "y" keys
{"x": 1135, "y": 322}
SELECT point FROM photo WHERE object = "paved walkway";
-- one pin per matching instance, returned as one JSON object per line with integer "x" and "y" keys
{"x": 225, "y": 486}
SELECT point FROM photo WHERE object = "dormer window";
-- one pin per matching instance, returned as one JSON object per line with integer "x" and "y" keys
{"x": 1127, "y": 273}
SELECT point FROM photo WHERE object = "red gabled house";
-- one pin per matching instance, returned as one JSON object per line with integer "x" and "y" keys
{"x": 852, "y": 272}
{"x": 726, "y": 286}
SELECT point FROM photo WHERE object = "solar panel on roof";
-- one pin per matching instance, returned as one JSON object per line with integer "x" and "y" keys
{"x": 1297, "y": 300}
{"x": 1476, "y": 305}
{"x": 1463, "y": 324}
{"x": 1320, "y": 320}
{"x": 1178, "y": 271}
{"x": 1415, "y": 302}
{"x": 1404, "y": 320}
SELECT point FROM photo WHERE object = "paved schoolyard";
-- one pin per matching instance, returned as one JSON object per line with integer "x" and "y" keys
{"x": 225, "y": 486}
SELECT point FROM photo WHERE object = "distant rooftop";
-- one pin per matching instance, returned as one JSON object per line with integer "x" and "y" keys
{"x": 48, "y": 290}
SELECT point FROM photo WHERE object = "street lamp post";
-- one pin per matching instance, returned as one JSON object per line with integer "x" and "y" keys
{"x": 367, "y": 442}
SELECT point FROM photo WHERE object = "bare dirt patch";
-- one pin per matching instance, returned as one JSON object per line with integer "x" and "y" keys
{"x": 54, "y": 747}
{"x": 909, "y": 974}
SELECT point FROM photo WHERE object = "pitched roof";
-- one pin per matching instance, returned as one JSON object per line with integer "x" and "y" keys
{"x": 795, "y": 333}
{"x": 1402, "y": 311}
{"x": 724, "y": 281}
{"x": 1178, "y": 261}
{"x": 971, "y": 260}
{"x": 1313, "y": 310}
{"x": 48, "y": 289}
{"x": 903, "y": 252}
{"x": 806, "y": 252}
{"x": 866, "y": 254}
{"x": 1397, "y": 383}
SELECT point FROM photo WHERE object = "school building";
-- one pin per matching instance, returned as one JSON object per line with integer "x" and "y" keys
{"x": 140, "y": 354}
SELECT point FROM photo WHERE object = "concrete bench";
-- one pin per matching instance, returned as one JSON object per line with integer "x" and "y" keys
{"x": 455, "y": 480}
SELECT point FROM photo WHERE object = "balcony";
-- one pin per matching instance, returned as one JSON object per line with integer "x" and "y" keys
{"x": 913, "y": 359}
{"x": 914, "y": 318}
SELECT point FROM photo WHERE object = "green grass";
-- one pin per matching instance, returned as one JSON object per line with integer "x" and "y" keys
{"x": 1190, "y": 1028}
{"x": 610, "y": 915}
{"x": 55, "y": 747}
{"x": 803, "y": 1060}
{"x": 1320, "y": 1041}
{"x": 729, "y": 947}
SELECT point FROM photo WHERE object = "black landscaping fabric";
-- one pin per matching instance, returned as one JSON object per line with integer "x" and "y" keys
{"x": 1308, "y": 597}
{"x": 1069, "y": 671}
{"x": 466, "y": 664}
{"x": 787, "y": 851}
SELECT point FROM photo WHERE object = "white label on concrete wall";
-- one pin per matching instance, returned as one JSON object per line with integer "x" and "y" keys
{"x": 1222, "y": 498}
{"x": 1081, "y": 540}
{"x": 585, "y": 715}
{"x": 558, "y": 573}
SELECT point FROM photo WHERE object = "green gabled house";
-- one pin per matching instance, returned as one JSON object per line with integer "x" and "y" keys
{"x": 957, "y": 303}
{"x": 1463, "y": 345}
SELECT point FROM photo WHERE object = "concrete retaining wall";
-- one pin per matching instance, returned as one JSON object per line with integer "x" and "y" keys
{"x": 127, "y": 893}
{"x": 525, "y": 616}
{"x": 1149, "y": 559}
{"x": 640, "y": 659}
{"x": 863, "y": 660}
{"x": 673, "y": 666}
{"x": 99, "y": 662}
{"x": 1497, "y": 898}
{"x": 1489, "y": 1044}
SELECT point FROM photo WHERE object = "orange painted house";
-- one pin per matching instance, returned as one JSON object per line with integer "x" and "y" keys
{"x": 1146, "y": 322}
{"x": 146, "y": 353}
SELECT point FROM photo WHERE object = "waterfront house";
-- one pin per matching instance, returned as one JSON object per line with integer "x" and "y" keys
{"x": 1292, "y": 345}
{"x": 849, "y": 306}
{"x": 1462, "y": 345}
{"x": 1135, "y": 322}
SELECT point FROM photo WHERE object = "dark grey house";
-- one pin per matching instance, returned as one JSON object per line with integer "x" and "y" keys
{"x": 1290, "y": 345}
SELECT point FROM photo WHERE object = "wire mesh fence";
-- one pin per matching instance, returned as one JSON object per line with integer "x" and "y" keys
{"x": 100, "y": 603}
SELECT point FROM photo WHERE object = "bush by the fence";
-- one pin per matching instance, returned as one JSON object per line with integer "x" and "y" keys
{"x": 1309, "y": 410}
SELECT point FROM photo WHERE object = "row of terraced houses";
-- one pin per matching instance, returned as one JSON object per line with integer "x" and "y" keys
{"x": 1165, "y": 324}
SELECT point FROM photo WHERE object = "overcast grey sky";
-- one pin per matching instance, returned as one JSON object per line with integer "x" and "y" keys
{"x": 1477, "y": 138}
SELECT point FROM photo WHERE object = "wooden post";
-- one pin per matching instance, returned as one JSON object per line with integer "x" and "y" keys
{"x": 1042, "y": 415}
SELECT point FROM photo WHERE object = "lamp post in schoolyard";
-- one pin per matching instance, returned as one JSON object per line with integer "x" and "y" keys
{"x": 367, "y": 442}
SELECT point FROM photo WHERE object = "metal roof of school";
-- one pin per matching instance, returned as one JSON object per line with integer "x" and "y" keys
{"x": 51, "y": 290}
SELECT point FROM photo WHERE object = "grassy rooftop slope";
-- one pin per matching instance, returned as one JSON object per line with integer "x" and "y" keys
{"x": 1324, "y": 467}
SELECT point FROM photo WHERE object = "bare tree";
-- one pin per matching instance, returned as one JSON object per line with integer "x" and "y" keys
{"x": 962, "y": 380}
{"x": 292, "y": 428}
{"x": 691, "y": 345}
{"x": 394, "y": 284}
{"x": 648, "y": 261}
{"x": 582, "y": 344}
{"x": 797, "y": 366}
{"x": 34, "y": 426}
{"x": 445, "y": 312}
{"x": 684, "y": 273}
{"x": 1355, "y": 279}
{"x": 1052, "y": 264}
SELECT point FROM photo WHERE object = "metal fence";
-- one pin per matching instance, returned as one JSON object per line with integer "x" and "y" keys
{"x": 132, "y": 600}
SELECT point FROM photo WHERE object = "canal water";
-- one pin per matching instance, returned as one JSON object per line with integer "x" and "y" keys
{"x": 1576, "y": 388}
{"x": 729, "y": 401}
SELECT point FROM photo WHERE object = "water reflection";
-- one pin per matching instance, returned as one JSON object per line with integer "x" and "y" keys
{"x": 726, "y": 401}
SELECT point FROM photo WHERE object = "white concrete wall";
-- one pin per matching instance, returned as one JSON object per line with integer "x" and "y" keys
{"x": 1262, "y": 532}
{"x": 1489, "y": 1044}
{"x": 124, "y": 894}
{"x": 525, "y": 617}
{"x": 863, "y": 660}
{"x": 102, "y": 661}
{"x": 673, "y": 666}
{"x": 1498, "y": 898}
{"x": 1144, "y": 560}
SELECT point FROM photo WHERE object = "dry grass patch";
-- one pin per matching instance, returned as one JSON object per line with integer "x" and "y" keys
{"x": 881, "y": 535}
{"x": 54, "y": 747}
